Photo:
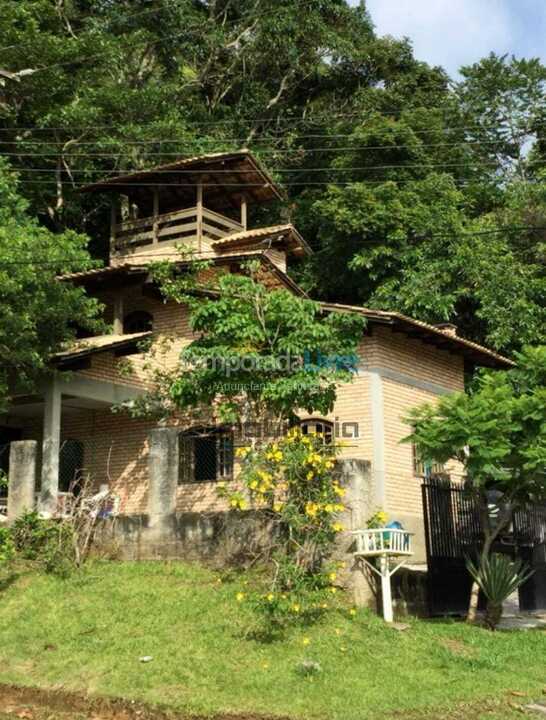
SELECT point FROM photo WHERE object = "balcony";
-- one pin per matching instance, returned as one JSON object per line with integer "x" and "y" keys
{"x": 194, "y": 226}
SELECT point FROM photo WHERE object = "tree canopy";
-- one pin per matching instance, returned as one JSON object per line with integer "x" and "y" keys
{"x": 418, "y": 193}
{"x": 38, "y": 312}
{"x": 258, "y": 353}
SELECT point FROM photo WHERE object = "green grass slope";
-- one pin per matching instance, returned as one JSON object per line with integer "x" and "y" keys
{"x": 89, "y": 632}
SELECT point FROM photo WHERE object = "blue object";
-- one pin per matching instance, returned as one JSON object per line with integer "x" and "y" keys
{"x": 395, "y": 525}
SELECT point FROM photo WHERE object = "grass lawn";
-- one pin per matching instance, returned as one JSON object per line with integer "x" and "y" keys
{"x": 88, "y": 632}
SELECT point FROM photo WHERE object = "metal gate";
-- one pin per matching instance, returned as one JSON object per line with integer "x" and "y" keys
{"x": 453, "y": 532}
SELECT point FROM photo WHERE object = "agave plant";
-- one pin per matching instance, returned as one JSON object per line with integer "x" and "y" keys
{"x": 498, "y": 577}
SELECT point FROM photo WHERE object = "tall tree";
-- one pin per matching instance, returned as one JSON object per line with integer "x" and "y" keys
{"x": 38, "y": 312}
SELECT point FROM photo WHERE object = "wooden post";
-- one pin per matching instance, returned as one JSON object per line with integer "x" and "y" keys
{"x": 156, "y": 216}
{"x": 118, "y": 315}
{"x": 113, "y": 218}
{"x": 199, "y": 216}
{"x": 243, "y": 213}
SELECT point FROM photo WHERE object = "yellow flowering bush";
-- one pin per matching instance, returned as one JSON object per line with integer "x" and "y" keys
{"x": 292, "y": 481}
{"x": 378, "y": 519}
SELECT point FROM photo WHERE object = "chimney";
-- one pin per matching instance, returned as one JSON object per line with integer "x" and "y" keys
{"x": 448, "y": 328}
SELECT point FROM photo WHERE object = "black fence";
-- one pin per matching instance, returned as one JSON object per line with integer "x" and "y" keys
{"x": 453, "y": 532}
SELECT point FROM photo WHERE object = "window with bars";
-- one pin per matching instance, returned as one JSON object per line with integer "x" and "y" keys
{"x": 205, "y": 455}
{"x": 318, "y": 427}
{"x": 426, "y": 469}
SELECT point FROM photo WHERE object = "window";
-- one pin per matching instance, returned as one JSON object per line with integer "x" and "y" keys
{"x": 205, "y": 455}
{"x": 70, "y": 466}
{"x": 318, "y": 427}
{"x": 426, "y": 469}
{"x": 137, "y": 321}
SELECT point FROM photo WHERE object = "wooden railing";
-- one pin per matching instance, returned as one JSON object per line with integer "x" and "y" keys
{"x": 192, "y": 224}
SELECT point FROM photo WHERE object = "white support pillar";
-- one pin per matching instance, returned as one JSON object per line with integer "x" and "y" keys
{"x": 50, "y": 448}
{"x": 386, "y": 594}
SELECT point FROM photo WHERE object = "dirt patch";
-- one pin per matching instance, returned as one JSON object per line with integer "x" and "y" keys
{"x": 458, "y": 647}
{"x": 57, "y": 704}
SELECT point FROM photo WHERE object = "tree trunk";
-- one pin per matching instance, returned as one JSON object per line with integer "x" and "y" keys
{"x": 493, "y": 615}
{"x": 490, "y": 535}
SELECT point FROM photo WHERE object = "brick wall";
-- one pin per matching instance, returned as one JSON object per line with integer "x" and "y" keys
{"x": 410, "y": 371}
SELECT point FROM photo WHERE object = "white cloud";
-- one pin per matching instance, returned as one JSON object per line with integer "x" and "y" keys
{"x": 450, "y": 33}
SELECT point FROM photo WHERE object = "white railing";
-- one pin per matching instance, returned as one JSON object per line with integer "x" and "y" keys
{"x": 383, "y": 541}
{"x": 173, "y": 227}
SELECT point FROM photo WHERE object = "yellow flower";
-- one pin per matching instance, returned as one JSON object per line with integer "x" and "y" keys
{"x": 339, "y": 491}
{"x": 253, "y": 484}
{"x": 352, "y": 612}
{"x": 278, "y": 506}
{"x": 265, "y": 665}
{"x": 295, "y": 608}
{"x": 310, "y": 475}
{"x": 324, "y": 606}
{"x": 311, "y": 509}
{"x": 328, "y": 464}
{"x": 338, "y": 631}
{"x": 333, "y": 590}
{"x": 270, "y": 597}
{"x": 338, "y": 507}
{"x": 337, "y": 527}
{"x": 332, "y": 576}
{"x": 277, "y": 456}
{"x": 240, "y": 596}
{"x": 329, "y": 508}
{"x": 306, "y": 641}
{"x": 242, "y": 452}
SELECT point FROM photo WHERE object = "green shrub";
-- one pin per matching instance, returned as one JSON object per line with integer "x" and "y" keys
{"x": 31, "y": 534}
{"x": 6, "y": 546}
{"x": 498, "y": 577}
{"x": 47, "y": 542}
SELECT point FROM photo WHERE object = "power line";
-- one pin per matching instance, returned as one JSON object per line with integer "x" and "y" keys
{"x": 256, "y": 147}
{"x": 428, "y": 236}
{"x": 250, "y": 120}
{"x": 424, "y": 165}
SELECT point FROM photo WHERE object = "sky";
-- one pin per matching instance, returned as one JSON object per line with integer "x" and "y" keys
{"x": 452, "y": 33}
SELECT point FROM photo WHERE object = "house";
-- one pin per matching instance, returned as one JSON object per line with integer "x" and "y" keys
{"x": 204, "y": 202}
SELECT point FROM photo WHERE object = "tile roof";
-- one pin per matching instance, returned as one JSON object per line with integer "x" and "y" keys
{"x": 273, "y": 231}
{"x": 442, "y": 336}
{"x": 99, "y": 343}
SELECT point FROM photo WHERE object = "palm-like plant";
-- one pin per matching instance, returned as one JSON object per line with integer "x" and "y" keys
{"x": 498, "y": 577}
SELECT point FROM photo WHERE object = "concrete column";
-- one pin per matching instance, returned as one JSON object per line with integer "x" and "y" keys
{"x": 355, "y": 477}
{"x": 50, "y": 449}
{"x": 163, "y": 473}
{"x": 22, "y": 477}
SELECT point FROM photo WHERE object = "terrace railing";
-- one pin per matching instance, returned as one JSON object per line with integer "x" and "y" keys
{"x": 191, "y": 224}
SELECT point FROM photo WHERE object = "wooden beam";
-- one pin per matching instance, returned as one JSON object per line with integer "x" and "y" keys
{"x": 199, "y": 216}
{"x": 156, "y": 214}
{"x": 118, "y": 315}
{"x": 113, "y": 222}
{"x": 243, "y": 212}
